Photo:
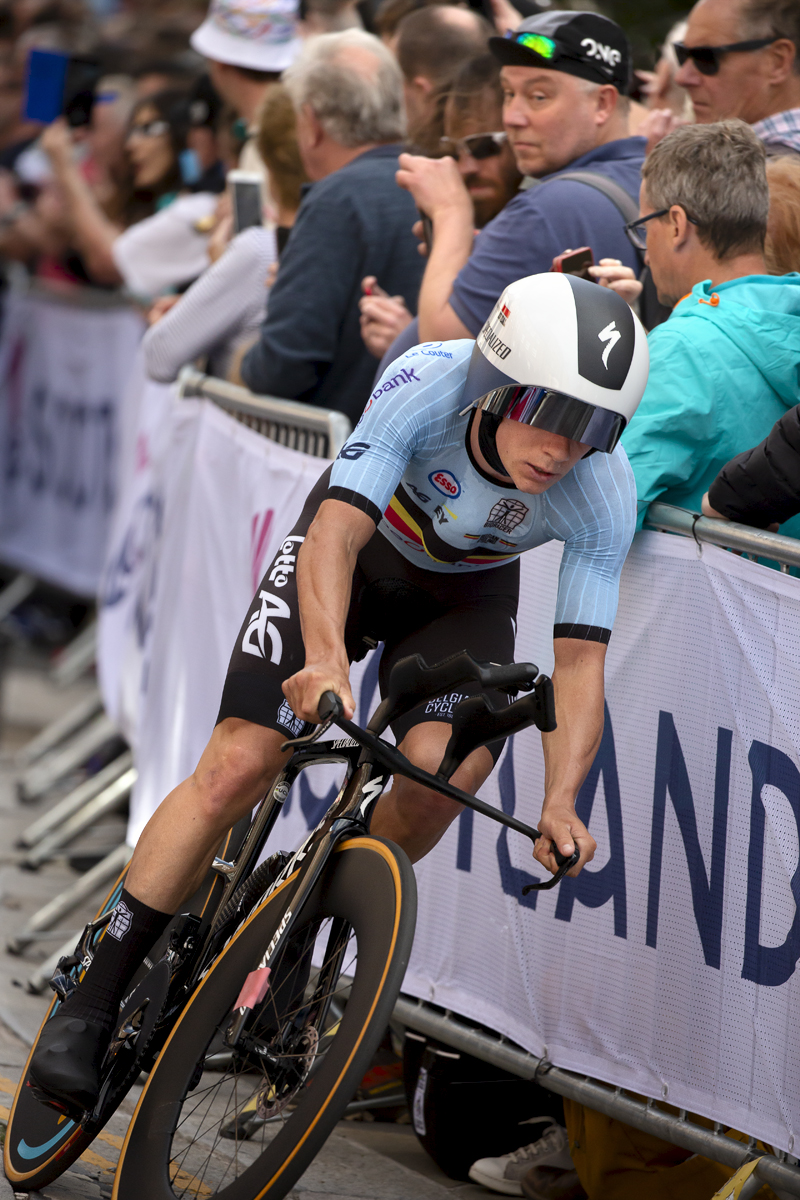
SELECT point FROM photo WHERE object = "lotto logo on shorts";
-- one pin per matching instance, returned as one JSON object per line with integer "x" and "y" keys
{"x": 289, "y": 721}
{"x": 121, "y": 921}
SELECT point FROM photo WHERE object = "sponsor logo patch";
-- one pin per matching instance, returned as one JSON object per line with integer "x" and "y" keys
{"x": 446, "y": 483}
{"x": 121, "y": 921}
{"x": 606, "y": 54}
{"x": 260, "y": 627}
{"x": 405, "y": 376}
{"x": 288, "y": 720}
{"x": 443, "y": 705}
{"x": 611, "y": 335}
{"x": 353, "y": 450}
{"x": 494, "y": 343}
{"x": 503, "y": 314}
{"x": 434, "y": 350}
{"x": 506, "y": 515}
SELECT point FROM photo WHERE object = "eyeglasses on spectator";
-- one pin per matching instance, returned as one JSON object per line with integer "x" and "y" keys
{"x": 150, "y": 129}
{"x": 707, "y": 59}
{"x": 637, "y": 230}
{"x": 475, "y": 145}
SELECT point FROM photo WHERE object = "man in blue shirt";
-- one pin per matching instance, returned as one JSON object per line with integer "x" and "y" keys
{"x": 565, "y": 77}
{"x": 353, "y": 222}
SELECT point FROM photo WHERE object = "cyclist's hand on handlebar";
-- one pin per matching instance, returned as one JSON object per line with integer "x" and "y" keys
{"x": 304, "y": 689}
{"x": 560, "y": 824}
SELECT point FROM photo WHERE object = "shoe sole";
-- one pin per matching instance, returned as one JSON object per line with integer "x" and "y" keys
{"x": 506, "y": 1187}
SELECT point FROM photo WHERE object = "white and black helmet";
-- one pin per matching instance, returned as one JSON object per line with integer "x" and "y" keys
{"x": 563, "y": 354}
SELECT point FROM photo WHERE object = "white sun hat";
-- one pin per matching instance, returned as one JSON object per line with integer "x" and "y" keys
{"x": 261, "y": 35}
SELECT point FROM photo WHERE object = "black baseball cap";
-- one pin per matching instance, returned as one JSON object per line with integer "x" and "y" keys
{"x": 578, "y": 43}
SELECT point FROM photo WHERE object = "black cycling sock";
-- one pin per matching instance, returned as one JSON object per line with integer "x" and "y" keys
{"x": 130, "y": 933}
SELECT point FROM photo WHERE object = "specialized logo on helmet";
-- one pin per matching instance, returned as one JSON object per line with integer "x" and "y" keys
{"x": 611, "y": 335}
{"x": 506, "y": 515}
{"x": 504, "y": 314}
{"x": 494, "y": 343}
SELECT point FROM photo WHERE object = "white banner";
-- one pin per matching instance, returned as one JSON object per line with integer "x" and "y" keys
{"x": 63, "y": 371}
{"x": 668, "y": 966}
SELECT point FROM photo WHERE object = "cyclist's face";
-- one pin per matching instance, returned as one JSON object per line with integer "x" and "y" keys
{"x": 534, "y": 458}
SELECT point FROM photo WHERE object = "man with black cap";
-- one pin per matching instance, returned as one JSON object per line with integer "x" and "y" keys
{"x": 565, "y": 78}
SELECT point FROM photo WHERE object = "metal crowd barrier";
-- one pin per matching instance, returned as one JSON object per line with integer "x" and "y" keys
{"x": 320, "y": 432}
{"x": 749, "y": 542}
{"x": 780, "y": 1170}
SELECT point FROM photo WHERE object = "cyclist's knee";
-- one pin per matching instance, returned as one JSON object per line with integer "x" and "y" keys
{"x": 236, "y": 768}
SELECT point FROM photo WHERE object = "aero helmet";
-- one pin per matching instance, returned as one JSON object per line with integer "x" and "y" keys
{"x": 563, "y": 354}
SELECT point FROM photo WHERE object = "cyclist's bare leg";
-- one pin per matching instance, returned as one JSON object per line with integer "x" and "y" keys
{"x": 180, "y": 840}
{"x": 414, "y": 816}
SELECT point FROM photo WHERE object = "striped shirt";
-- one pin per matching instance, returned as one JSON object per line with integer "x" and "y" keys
{"x": 408, "y": 464}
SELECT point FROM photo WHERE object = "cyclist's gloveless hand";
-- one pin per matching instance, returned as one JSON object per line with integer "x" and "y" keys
{"x": 561, "y": 824}
{"x": 303, "y": 690}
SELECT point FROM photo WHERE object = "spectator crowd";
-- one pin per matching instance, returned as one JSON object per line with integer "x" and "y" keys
{"x": 411, "y": 160}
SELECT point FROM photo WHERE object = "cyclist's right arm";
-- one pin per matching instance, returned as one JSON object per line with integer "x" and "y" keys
{"x": 325, "y": 568}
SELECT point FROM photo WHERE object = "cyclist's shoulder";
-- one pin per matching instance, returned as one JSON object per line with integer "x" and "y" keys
{"x": 427, "y": 380}
{"x": 599, "y": 488}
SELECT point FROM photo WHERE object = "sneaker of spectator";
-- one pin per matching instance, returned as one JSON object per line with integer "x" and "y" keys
{"x": 739, "y": 58}
{"x": 347, "y": 92}
{"x": 247, "y": 44}
{"x": 564, "y": 110}
{"x": 473, "y": 138}
{"x": 721, "y": 371}
{"x": 431, "y": 44}
{"x": 505, "y": 1174}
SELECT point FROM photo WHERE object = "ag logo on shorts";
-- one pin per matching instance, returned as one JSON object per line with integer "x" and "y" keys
{"x": 260, "y": 627}
{"x": 506, "y": 515}
{"x": 446, "y": 483}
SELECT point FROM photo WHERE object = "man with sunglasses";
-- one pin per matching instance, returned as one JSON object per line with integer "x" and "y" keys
{"x": 565, "y": 76}
{"x": 739, "y": 58}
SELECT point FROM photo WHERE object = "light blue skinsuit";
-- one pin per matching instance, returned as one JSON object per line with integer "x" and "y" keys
{"x": 720, "y": 377}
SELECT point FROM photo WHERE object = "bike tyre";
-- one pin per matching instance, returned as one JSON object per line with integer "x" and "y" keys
{"x": 370, "y": 883}
{"x": 36, "y": 1150}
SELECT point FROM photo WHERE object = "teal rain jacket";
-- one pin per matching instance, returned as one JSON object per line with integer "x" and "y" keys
{"x": 721, "y": 374}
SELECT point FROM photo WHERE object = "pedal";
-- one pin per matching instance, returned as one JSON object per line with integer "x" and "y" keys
{"x": 49, "y": 1101}
{"x": 62, "y": 983}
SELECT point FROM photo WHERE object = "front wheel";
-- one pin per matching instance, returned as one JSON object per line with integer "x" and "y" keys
{"x": 243, "y": 1121}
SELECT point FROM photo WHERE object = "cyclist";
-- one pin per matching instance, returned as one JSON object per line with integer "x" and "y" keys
{"x": 466, "y": 455}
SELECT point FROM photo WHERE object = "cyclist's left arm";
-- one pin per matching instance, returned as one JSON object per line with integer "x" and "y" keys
{"x": 594, "y": 514}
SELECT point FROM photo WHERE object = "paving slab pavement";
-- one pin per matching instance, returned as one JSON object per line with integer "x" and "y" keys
{"x": 362, "y": 1160}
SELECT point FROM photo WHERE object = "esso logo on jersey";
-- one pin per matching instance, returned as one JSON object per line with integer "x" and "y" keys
{"x": 446, "y": 483}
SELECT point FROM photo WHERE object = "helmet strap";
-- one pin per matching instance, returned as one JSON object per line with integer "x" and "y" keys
{"x": 487, "y": 434}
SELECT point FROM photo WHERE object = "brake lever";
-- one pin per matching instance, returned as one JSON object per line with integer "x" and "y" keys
{"x": 564, "y": 864}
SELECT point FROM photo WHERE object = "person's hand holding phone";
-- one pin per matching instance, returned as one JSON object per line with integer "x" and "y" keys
{"x": 435, "y": 184}
{"x": 610, "y": 273}
{"x": 57, "y": 143}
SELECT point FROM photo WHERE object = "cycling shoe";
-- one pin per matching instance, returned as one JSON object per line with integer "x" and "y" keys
{"x": 65, "y": 1067}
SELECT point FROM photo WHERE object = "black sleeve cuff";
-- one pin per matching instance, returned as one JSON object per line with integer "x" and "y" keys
{"x": 584, "y": 633}
{"x": 348, "y": 496}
